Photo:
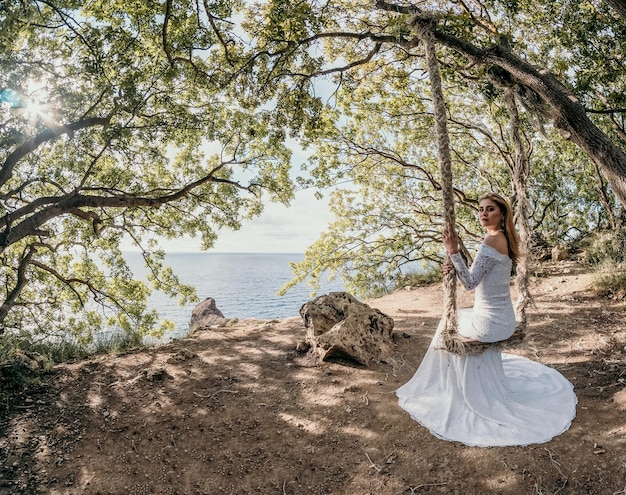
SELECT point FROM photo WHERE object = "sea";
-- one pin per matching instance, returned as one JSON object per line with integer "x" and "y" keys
{"x": 244, "y": 285}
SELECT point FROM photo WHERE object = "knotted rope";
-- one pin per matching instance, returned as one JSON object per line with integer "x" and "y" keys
{"x": 445, "y": 167}
{"x": 450, "y": 338}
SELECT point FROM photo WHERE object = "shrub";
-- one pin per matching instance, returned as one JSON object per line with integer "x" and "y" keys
{"x": 606, "y": 252}
{"x": 607, "y": 247}
{"x": 20, "y": 368}
{"x": 418, "y": 279}
{"x": 610, "y": 280}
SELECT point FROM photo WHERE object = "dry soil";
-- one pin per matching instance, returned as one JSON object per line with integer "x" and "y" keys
{"x": 236, "y": 411}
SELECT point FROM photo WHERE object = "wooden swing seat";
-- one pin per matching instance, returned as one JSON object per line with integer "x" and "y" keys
{"x": 457, "y": 344}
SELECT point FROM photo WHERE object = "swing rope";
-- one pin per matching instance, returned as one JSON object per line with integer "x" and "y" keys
{"x": 451, "y": 341}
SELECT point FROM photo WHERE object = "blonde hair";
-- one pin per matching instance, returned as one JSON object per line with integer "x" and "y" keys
{"x": 507, "y": 226}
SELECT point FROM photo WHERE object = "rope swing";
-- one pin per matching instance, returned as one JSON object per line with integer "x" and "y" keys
{"x": 451, "y": 340}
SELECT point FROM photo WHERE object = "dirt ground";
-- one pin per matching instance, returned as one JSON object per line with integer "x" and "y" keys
{"x": 235, "y": 411}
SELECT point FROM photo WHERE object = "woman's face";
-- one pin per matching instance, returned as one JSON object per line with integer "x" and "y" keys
{"x": 489, "y": 214}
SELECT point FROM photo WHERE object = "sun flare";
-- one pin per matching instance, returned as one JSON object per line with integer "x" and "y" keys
{"x": 34, "y": 108}
{"x": 36, "y": 102}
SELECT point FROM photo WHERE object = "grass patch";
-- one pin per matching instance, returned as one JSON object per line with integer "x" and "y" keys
{"x": 606, "y": 253}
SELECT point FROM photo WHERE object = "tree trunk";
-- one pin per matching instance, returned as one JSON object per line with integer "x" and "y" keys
{"x": 619, "y": 6}
{"x": 519, "y": 174}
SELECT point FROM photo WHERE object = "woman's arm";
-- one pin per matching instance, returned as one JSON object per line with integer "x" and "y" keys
{"x": 481, "y": 266}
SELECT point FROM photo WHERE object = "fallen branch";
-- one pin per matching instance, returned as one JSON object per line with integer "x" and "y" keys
{"x": 425, "y": 485}
{"x": 371, "y": 463}
{"x": 558, "y": 467}
{"x": 210, "y": 396}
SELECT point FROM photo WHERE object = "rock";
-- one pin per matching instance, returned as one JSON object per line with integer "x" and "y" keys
{"x": 303, "y": 347}
{"x": 560, "y": 253}
{"x": 338, "y": 326}
{"x": 541, "y": 254}
{"x": 156, "y": 375}
{"x": 182, "y": 356}
{"x": 206, "y": 315}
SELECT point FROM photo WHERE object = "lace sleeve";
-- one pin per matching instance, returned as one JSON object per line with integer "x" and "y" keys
{"x": 481, "y": 266}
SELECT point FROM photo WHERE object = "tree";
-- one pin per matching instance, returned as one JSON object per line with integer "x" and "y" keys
{"x": 559, "y": 104}
{"x": 121, "y": 121}
{"x": 132, "y": 121}
{"x": 542, "y": 54}
{"x": 387, "y": 199}
{"x": 541, "y": 50}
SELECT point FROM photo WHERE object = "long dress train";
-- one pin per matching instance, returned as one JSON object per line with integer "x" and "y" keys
{"x": 493, "y": 398}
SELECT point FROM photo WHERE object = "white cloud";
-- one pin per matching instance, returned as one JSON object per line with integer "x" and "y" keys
{"x": 280, "y": 229}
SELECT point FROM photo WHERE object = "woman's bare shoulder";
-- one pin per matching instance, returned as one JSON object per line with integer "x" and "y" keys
{"x": 498, "y": 242}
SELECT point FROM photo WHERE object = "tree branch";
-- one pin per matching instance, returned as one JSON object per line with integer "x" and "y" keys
{"x": 71, "y": 203}
{"x": 66, "y": 281}
{"x": 345, "y": 68}
{"x": 166, "y": 47}
{"x": 217, "y": 32}
{"x": 6, "y": 172}
{"x": 21, "y": 282}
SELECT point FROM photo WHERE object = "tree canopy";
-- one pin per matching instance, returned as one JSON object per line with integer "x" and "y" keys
{"x": 121, "y": 120}
{"x": 129, "y": 121}
{"x": 560, "y": 60}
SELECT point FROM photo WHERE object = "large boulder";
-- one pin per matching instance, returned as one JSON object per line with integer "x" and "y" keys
{"x": 338, "y": 326}
{"x": 206, "y": 315}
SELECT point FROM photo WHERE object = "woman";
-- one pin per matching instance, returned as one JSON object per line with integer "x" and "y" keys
{"x": 488, "y": 399}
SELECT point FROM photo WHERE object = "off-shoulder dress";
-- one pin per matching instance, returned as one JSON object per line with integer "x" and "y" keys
{"x": 492, "y": 398}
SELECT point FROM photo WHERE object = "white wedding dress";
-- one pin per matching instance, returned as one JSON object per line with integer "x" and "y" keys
{"x": 493, "y": 398}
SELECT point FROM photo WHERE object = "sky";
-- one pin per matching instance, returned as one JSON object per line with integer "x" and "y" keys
{"x": 280, "y": 229}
